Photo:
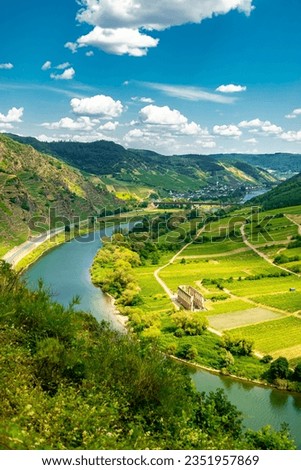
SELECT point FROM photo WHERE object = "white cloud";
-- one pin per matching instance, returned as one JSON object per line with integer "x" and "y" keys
{"x": 266, "y": 127}
{"x": 109, "y": 126}
{"x": 162, "y": 115}
{"x": 119, "y": 41}
{"x": 83, "y": 123}
{"x": 91, "y": 137}
{"x": 231, "y": 88}
{"x": 171, "y": 120}
{"x": 7, "y": 66}
{"x": 63, "y": 66}
{"x": 68, "y": 74}
{"x": 291, "y": 136}
{"x": 47, "y": 65}
{"x": 118, "y": 23}
{"x": 100, "y": 105}
{"x": 143, "y": 99}
{"x": 251, "y": 141}
{"x": 294, "y": 114}
{"x": 72, "y": 46}
{"x": 89, "y": 53}
{"x": 269, "y": 128}
{"x": 189, "y": 93}
{"x": 5, "y": 125}
{"x": 134, "y": 134}
{"x": 13, "y": 115}
{"x": 251, "y": 124}
{"x": 206, "y": 144}
{"x": 227, "y": 131}
{"x": 155, "y": 15}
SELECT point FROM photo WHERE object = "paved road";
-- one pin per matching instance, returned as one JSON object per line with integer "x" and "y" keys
{"x": 19, "y": 252}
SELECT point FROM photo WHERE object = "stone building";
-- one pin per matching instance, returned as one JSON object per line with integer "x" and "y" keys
{"x": 190, "y": 298}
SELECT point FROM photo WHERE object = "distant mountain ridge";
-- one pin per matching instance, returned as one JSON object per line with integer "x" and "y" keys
{"x": 119, "y": 167}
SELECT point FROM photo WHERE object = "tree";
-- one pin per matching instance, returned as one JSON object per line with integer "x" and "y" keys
{"x": 297, "y": 373}
{"x": 279, "y": 369}
{"x": 190, "y": 323}
{"x": 215, "y": 414}
{"x": 238, "y": 346}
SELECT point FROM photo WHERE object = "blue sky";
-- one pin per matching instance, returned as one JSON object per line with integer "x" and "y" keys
{"x": 174, "y": 76}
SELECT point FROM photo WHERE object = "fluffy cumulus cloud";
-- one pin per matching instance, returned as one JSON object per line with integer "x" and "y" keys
{"x": 13, "y": 115}
{"x": 265, "y": 127}
{"x": 156, "y": 15}
{"x": 119, "y": 41}
{"x": 227, "y": 130}
{"x": 68, "y": 74}
{"x": 109, "y": 126}
{"x": 294, "y": 114}
{"x": 117, "y": 24}
{"x": 231, "y": 88}
{"x": 172, "y": 118}
{"x": 291, "y": 136}
{"x": 7, "y": 66}
{"x": 98, "y": 105}
{"x": 83, "y": 123}
{"x": 134, "y": 134}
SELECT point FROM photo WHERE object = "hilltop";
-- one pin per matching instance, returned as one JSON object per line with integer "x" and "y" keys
{"x": 142, "y": 172}
{"x": 31, "y": 183}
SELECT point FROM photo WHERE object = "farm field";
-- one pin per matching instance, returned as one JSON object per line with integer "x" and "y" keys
{"x": 242, "y": 318}
{"x": 290, "y": 301}
{"x": 239, "y": 265}
{"x": 273, "y": 336}
{"x": 250, "y": 288}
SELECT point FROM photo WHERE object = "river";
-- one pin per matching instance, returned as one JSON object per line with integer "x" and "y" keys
{"x": 252, "y": 194}
{"x": 66, "y": 271}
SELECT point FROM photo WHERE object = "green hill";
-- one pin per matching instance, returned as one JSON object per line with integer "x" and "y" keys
{"x": 31, "y": 183}
{"x": 132, "y": 170}
{"x": 286, "y": 194}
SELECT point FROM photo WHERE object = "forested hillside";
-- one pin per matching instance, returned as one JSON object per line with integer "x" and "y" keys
{"x": 286, "y": 194}
{"x": 31, "y": 183}
{"x": 120, "y": 167}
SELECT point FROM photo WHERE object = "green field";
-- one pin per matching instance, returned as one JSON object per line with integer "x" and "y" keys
{"x": 274, "y": 335}
{"x": 239, "y": 265}
{"x": 290, "y": 301}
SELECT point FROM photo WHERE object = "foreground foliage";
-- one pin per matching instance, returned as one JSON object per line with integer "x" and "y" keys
{"x": 68, "y": 382}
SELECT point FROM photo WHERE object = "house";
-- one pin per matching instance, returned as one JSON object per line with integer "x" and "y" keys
{"x": 190, "y": 298}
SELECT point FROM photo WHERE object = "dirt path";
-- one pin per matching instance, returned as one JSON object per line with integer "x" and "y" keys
{"x": 291, "y": 218}
{"x": 218, "y": 255}
{"x": 262, "y": 255}
{"x": 170, "y": 294}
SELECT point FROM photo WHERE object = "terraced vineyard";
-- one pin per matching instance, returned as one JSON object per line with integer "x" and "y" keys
{"x": 247, "y": 291}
